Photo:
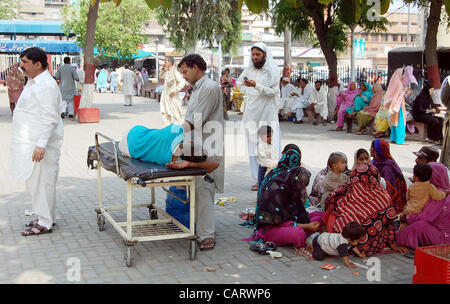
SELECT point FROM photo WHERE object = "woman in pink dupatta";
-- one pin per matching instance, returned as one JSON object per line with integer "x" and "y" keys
{"x": 343, "y": 101}
{"x": 432, "y": 225}
{"x": 368, "y": 113}
{"x": 395, "y": 100}
{"x": 15, "y": 81}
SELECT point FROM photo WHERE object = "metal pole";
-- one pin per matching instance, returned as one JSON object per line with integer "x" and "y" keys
{"x": 157, "y": 63}
{"x": 220, "y": 59}
{"x": 409, "y": 24}
{"x": 352, "y": 55}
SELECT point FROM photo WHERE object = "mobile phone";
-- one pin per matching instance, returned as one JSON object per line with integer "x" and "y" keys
{"x": 245, "y": 78}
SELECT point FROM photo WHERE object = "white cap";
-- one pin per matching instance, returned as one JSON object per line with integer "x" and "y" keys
{"x": 285, "y": 79}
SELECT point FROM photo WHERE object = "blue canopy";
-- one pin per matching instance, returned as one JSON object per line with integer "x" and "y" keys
{"x": 50, "y": 46}
{"x": 31, "y": 27}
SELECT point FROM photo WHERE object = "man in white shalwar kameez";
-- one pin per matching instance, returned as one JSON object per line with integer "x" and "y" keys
{"x": 286, "y": 100}
{"x": 170, "y": 99}
{"x": 302, "y": 96}
{"x": 318, "y": 99}
{"x": 37, "y": 135}
{"x": 259, "y": 82}
{"x": 127, "y": 78}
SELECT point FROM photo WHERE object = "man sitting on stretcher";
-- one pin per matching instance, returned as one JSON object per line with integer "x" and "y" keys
{"x": 164, "y": 147}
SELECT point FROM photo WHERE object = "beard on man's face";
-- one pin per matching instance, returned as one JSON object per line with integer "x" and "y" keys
{"x": 260, "y": 63}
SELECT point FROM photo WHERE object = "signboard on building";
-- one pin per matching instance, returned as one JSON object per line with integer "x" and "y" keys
{"x": 360, "y": 47}
{"x": 246, "y": 36}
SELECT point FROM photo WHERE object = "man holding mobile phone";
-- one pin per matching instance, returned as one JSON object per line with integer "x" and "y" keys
{"x": 259, "y": 82}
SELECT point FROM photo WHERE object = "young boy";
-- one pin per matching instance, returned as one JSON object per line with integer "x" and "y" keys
{"x": 337, "y": 163}
{"x": 334, "y": 244}
{"x": 266, "y": 157}
{"x": 420, "y": 192}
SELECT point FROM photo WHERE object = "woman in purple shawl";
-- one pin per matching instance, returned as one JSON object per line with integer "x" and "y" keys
{"x": 343, "y": 101}
{"x": 432, "y": 225}
{"x": 408, "y": 76}
{"x": 390, "y": 171}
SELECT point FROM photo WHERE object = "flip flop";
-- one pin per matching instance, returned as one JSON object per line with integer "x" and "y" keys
{"x": 206, "y": 243}
{"x": 259, "y": 247}
{"x": 270, "y": 246}
{"x": 40, "y": 230}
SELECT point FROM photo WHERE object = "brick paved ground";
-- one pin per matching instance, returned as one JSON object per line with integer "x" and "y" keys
{"x": 44, "y": 259}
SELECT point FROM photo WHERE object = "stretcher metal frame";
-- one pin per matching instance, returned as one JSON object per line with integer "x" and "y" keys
{"x": 155, "y": 229}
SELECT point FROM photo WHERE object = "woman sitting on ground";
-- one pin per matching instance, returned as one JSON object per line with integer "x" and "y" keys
{"x": 365, "y": 202}
{"x": 432, "y": 225}
{"x": 164, "y": 147}
{"x": 390, "y": 171}
{"x": 367, "y": 114}
{"x": 423, "y": 112}
{"x": 281, "y": 216}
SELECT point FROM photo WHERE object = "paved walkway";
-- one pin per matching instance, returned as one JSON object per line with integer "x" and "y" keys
{"x": 50, "y": 258}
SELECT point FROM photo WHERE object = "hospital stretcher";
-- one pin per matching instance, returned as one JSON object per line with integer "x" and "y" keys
{"x": 138, "y": 173}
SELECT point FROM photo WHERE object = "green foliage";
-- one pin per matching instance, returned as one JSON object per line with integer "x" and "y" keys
{"x": 426, "y": 3}
{"x": 189, "y": 21}
{"x": 119, "y": 30}
{"x": 296, "y": 19}
{"x": 338, "y": 17}
{"x": 257, "y": 6}
{"x": 156, "y": 3}
{"x": 8, "y": 9}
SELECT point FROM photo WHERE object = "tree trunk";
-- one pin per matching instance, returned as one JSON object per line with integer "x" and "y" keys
{"x": 199, "y": 9}
{"x": 352, "y": 54}
{"x": 328, "y": 51}
{"x": 287, "y": 52}
{"x": 431, "y": 43}
{"x": 89, "y": 59}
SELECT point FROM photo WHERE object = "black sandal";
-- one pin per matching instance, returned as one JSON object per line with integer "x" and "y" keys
{"x": 270, "y": 246}
{"x": 259, "y": 247}
{"x": 40, "y": 230}
{"x": 262, "y": 248}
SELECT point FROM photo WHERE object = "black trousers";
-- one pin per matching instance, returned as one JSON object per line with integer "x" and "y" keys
{"x": 318, "y": 253}
{"x": 434, "y": 125}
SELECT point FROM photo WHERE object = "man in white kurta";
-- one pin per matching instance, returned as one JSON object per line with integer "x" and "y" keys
{"x": 302, "y": 101}
{"x": 127, "y": 79}
{"x": 37, "y": 134}
{"x": 318, "y": 99}
{"x": 259, "y": 82}
{"x": 286, "y": 100}
{"x": 170, "y": 99}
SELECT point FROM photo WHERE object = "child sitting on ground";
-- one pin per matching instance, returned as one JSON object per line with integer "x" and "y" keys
{"x": 337, "y": 244}
{"x": 266, "y": 157}
{"x": 420, "y": 192}
{"x": 337, "y": 163}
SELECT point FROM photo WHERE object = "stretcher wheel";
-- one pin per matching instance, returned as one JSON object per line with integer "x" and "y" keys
{"x": 129, "y": 256}
{"x": 153, "y": 214}
{"x": 192, "y": 249}
{"x": 101, "y": 222}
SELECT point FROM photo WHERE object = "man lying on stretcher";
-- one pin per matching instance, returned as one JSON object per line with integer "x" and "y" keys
{"x": 164, "y": 147}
